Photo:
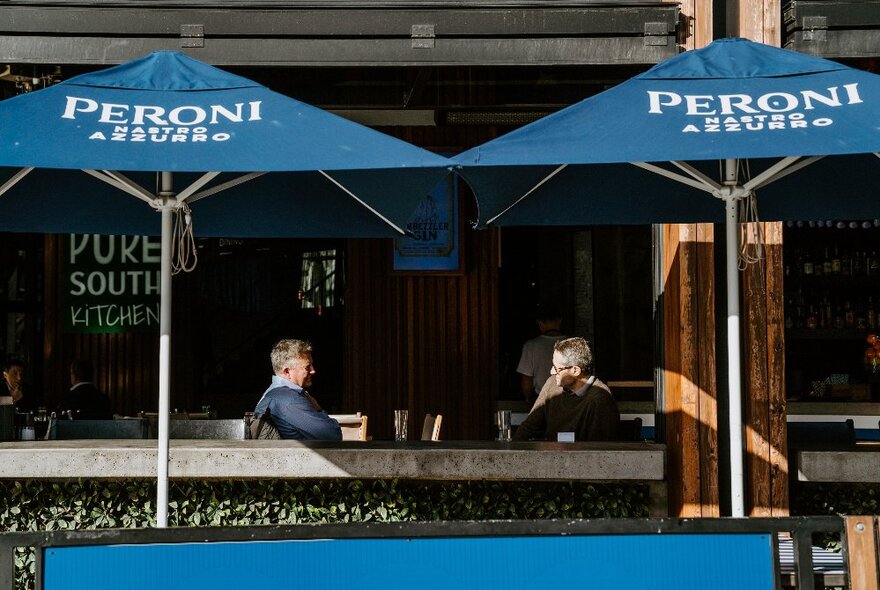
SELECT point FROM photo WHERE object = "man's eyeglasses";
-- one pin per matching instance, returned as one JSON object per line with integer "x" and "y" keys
{"x": 554, "y": 369}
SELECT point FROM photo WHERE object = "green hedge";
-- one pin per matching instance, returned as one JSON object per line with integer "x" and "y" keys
{"x": 835, "y": 499}
{"x": 812, "y": 499}
{"x": 50, "y": 505}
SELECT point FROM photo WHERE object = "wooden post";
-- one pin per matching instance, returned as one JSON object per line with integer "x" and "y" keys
{"x": 861, "y": 549}
{"x": 689, "y": 370}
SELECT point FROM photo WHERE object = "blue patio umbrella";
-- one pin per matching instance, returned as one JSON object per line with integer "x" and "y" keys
{"x": 218, "y": 135}
{"x": 761, "y": 111}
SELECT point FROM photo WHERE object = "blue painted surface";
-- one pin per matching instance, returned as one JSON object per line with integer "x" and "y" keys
{"x": 867, "y": 433}
{"x": 640, "y": 562}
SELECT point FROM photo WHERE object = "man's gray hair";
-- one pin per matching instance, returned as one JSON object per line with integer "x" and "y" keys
{"x": 576, "y": 352}
{"x": 287, "y": 352}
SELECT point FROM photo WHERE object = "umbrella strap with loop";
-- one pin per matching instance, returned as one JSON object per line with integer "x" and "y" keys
{"x": 184, "y": 255}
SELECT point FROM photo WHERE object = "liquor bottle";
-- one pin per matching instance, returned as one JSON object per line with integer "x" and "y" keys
{"x": 860, "y": 319}
{"x": 845, "y": 264}
{"x": 808, "y": 264}
{"x": 849, "y": 318}
{"x": 818, "y": 267}
{"x": 825, "y": 319}
{"x": 871, "y": 314}
{"x": 874, "y": 269}
{"x": 858, "y": 264}
{"x": 826, "y": 264}
{"x": 811, "y": 320}
{"x": 835, "y": 262}
{"x": 838, "y": 317}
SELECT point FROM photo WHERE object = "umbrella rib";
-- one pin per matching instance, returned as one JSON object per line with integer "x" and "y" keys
{"x": 675, "y": 176}
{"x": 533, "y": 189}
{"x": 222, "y": 187}
{"x": 694, "y": 173}
{"x": 117, "y": 180}
{"x": 362, "y": 202}
{"x": 769, "y": 175}
{"x": 14, "y": 180}
{"x": 202, "y": 181}
{"x": 783, "y": 173}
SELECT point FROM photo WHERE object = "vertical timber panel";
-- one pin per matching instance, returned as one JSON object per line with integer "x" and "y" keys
{"x": 689, "y": 370}
{"x": 765, "y": 413}
{"x": 755, "y": 402}
{"x": 708, "y": 394}
{"x": 689, "y": 411}
{"x": 778, "y": 458}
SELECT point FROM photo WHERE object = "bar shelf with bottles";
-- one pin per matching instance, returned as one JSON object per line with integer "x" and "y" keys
{"x": 832, "y": 307}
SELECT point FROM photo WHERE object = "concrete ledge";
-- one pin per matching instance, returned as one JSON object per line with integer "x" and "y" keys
{"x": 216, "y": 459}
{"x": 861, "y": 465}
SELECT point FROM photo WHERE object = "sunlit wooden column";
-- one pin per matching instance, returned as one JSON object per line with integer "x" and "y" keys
{"x": 688, "y": 308}
{"x": 689, "y": 392}
{"x": 764, "y": 413}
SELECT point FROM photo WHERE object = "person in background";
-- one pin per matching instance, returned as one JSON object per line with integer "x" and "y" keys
{"x": 83, "y": 401}
{"x": 585, "y": 406}
{"x": 292, "y": 409}
{"x": 534, "y": 362}
{"x": 14, "y": 386}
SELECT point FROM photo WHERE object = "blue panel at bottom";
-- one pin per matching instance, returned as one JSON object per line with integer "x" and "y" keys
{"x": 867, "y": 433}
{"x": 643, "y": 562}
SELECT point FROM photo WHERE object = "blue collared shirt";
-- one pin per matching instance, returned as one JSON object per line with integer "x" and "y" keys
{"x": 294, "y": 415}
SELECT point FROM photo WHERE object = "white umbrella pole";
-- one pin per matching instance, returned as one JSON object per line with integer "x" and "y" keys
{"x": 164, "y": 354}
{"x": 734, "y": 370}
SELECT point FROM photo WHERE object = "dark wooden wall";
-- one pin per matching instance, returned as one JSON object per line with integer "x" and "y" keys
{"x": 425, "y": 343}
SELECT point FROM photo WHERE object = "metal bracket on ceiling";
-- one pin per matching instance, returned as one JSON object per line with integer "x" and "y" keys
{"x": 422, "y": 36}
{"x": 656, "y": 34}
{"x": 192, "y": 35}
{"x": 815, "y": 28}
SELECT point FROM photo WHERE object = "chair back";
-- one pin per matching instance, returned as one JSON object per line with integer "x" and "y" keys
{"x": 353, "y": 426}
{"x": 431, "y": 427}
{"x": 630, "y": 429}
{"x": 229, "y": 429}
{"x": 101, "y": 429}
{"x": 822, "y": 435}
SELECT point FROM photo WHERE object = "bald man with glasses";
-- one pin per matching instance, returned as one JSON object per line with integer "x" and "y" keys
{"x": 583, "y": 411}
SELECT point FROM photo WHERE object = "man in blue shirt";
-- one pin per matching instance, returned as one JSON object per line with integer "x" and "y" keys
{"x": 295, "y": 413}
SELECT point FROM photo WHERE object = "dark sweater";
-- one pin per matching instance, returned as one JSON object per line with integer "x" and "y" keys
{"x": 593, "y": 417}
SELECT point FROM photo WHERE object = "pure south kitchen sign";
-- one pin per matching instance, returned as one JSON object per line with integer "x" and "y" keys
{"x": 709, "y": 113}
{"x": 111, "y": 284}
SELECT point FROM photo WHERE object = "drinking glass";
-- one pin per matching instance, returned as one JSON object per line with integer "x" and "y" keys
{"x": 400, "y": 419}
{"x": 502, "y": 423}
